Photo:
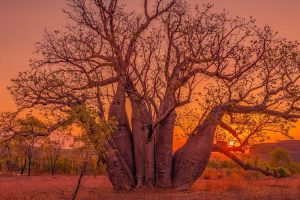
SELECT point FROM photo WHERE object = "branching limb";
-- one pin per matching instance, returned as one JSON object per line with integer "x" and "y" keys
{"x": 12, "y": 132}
{"x": 241, "y": 163}
{"x": 230, "y": 130}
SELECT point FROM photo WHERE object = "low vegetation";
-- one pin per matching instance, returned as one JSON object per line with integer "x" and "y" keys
{"x": 47, "y": 160}
{"x": 48, "y": 157}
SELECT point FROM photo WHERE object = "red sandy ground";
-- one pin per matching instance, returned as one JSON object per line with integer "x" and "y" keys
{"x": 61, "y": 187}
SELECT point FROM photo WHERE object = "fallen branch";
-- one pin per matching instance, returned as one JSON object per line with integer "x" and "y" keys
{"x": 243, "y": 165}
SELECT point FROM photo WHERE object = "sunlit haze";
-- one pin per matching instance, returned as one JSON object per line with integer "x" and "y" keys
{"x": 22, "y": 23}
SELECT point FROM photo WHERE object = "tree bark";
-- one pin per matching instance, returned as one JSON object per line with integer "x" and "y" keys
{"x": 149, "y": 164}
{"x": 141, "y": 132}
{"x": 122, "y": 136}
{"x": 164, "y": 145}
{"x": 119, "y": 173}
{"x": 191, "y": 159}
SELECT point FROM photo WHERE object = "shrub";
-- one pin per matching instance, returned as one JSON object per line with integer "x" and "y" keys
{"x": 280, "y": 158}
{"x": 281, "y": 172}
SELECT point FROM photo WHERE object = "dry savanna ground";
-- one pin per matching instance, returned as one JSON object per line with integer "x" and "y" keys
{"x": 235, "y": 186}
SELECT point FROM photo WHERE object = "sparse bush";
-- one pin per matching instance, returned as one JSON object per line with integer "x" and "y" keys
{"x": 281, "y": 172}
{"x": 213, "y": 163}
{"x": 280, "y": 158}
{"x": 67, "y": 164}
{"x": 282, "y": 162}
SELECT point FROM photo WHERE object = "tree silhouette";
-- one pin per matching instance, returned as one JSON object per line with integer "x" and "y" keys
{"x": 111, "y": 65}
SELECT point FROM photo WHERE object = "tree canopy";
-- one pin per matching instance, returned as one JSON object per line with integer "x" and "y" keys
{"x": 157, "y": 67}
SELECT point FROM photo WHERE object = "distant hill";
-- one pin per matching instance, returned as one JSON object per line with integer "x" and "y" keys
{"x": 263, "y": 150}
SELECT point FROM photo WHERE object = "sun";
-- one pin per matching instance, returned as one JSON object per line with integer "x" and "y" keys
{"x": 231, "y": 143}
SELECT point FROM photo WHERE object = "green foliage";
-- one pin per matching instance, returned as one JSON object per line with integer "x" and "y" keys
{"x": 31, "y": 124}
{"x": 43, "y": 151}
{"x": 280, "y": 158}
{"x": 282, "y": 163}
{"x": 258, "y": 161}
{"x": 96, "y": 130}
{"x": 281, "y": 172}
{"x": 68, "y": 163}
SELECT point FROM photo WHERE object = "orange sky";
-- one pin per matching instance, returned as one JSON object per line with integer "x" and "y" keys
{"x": 22, "y": 23}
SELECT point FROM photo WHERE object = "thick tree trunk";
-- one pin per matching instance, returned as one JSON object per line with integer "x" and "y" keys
{"x": 141, "y": 133}
{"x": 119, "y": 148}
{"x": 190, "y": 161}
{"x": 122, "y": 136}
{"x": 119, "y": 173}
{"x": 164, "y": 144}
{"x": 141, "y": 121}
{"x": 149, "y": 164}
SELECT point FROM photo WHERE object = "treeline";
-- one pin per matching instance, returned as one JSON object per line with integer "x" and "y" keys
{"x": 46, "y": 157}
{"x": 42, "y": 156}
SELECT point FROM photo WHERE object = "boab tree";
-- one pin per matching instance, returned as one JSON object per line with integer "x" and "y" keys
{"x": 110, "y": 64}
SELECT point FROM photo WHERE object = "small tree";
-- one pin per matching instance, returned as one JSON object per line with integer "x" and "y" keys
{"x": 280, "y": 158}
{"x": 53, "y": 150}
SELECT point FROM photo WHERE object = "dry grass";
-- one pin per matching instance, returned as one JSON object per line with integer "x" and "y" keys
{"x": 236, "y": 186}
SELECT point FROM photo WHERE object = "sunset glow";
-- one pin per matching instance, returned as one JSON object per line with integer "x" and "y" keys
{"x": 23, "y": 23}
{"x": 231, "y": 143}
{"x": 149, "y": 97}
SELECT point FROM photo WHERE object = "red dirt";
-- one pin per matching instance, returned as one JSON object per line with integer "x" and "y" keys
{"x": 61, "y": 187}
